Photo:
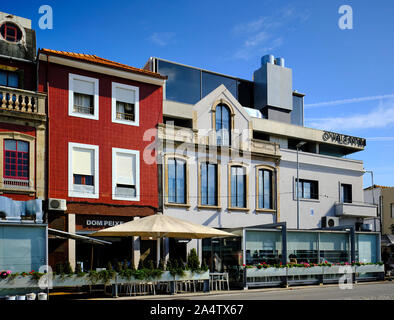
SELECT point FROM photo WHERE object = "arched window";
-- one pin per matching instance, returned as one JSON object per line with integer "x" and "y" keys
{"x": 223, "y": 125}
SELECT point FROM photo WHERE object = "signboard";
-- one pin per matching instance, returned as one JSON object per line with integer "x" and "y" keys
{"x": 343, "y": 139}
{"x": 99, "y": 222}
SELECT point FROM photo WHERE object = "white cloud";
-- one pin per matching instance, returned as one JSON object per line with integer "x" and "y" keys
{"x": 264, "y": 34}
{"x": 162, "y": 38}
{"x": 380, "y": 117}
{"x": 346, "y": 101}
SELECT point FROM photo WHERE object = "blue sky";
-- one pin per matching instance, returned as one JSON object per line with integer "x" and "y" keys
{"x": 347, "y": 75}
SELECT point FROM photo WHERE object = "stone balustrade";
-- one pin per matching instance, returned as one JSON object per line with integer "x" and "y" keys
{"x": 14, "y": 99}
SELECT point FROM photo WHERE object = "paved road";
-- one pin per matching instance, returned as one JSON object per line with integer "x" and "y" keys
{"x": 360, "y": 291}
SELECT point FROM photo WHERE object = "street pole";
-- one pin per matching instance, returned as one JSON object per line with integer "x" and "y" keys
{"x": 298, "y": 146}
{"x": 298, "y": 196}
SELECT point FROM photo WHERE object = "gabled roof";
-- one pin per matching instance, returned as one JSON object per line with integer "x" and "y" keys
{"x": 89, "y": 58}
{"x": 375, "y": 186}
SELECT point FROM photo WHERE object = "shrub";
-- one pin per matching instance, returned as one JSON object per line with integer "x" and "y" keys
{"x": 140, "y": 264}
{"x": 109, "y": 266}
{"x": 59, "y": 268}
{"x": 193, "y": 262}
{"x": 67, "y": 268}
{"x": 161, "y": 265}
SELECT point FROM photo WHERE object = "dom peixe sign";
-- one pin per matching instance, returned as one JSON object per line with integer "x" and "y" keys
{"x": 343, "y": 139}
{"x": 99, "y": 222}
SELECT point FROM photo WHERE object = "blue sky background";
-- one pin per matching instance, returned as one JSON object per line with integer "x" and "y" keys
{"x": 347, "y": 75}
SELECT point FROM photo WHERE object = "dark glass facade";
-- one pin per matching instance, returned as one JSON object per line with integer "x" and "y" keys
{"x": 190, "y": 85}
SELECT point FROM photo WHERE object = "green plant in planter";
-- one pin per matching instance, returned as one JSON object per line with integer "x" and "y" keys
{"x": 140, "y": 264}
{"x": 151, "y": 265}
{"x": 193, "y": 263}
{"x": 161, "y": 265}
{"x": 118, "y": 267}
{"x": 36, "y": 275}
{"x": 109, "y": 266}
{"x": 132, "y": 266}
{"x": 93, "y": 276}
{"x": 78, "y": 271}
{"x": 59, "y": 268}
{"x": 67, "y": 268}
{"x": 204, "y": 266}
{"x": 169, "y": 265}
{"x": 125, "y": 265}
{"x": 106, "y": 275}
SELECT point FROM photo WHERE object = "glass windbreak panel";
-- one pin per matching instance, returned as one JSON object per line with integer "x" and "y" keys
{"x": 367, "y": 248}
{"x": 183, "y": 83}
{"x": 334, "y": 247}
{"x": 211, "y": 81}
{"x": 263, "y": 246}
{"x": 303, "y": 246}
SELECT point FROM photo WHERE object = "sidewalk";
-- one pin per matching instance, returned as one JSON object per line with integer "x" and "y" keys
{"x": 181, "y": 296}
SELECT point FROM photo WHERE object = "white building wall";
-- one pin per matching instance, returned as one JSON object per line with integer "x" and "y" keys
{"x": 329, "y": 172}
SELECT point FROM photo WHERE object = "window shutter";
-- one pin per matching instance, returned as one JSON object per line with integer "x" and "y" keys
{"x": 83, "y": 161}
{"x": 125, "y": 169}
{"x": 125, "y": 95}
{"x": 84, "y": 87}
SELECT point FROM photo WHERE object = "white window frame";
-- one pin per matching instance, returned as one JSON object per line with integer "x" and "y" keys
{"x": 71, "y": 78}
{"x": 136, "y": 121}
{"x": 77, "y": 194}
{"x": 136, "y": 154}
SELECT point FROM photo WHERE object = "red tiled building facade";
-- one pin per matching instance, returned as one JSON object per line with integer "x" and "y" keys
{"x": 98, "y": 114}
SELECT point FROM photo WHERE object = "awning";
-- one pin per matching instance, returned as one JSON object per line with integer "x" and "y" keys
{"x": 69, "y": 235}
{"x": 387, "y": 240}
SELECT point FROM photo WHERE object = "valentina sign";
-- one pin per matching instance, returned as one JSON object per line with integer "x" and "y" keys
{"x": 343, "y": 139}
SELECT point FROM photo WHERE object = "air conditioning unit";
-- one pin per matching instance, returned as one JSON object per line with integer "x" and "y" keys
{"x": 329, "y": 222}
{"x": 57, "y": 204}
{"x": 366, "y": 227}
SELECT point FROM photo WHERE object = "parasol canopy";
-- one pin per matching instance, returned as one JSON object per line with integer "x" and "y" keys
{"x": 159, "y": 226}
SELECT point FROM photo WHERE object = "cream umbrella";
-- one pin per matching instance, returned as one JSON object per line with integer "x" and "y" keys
{"x": 160, "y": 226}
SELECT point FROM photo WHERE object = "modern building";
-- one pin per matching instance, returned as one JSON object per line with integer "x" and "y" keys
{"x": 101, "y": 114}
{"x": 383, "y": 197}
{"x": 232, "y": 151}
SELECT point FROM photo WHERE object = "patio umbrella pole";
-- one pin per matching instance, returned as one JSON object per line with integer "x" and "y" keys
{"x": 157, "y": 251}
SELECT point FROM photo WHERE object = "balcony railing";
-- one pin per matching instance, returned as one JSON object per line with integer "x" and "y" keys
{"x": 22, "y": 100}
{"x": 16, "y": 184}
{"x": 182, "y": 134}
{"x": 362, "y": 210}
{"x": 124, "y": 116}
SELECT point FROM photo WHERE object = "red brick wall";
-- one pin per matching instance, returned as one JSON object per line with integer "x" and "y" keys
{"x": 63, "y": 129}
